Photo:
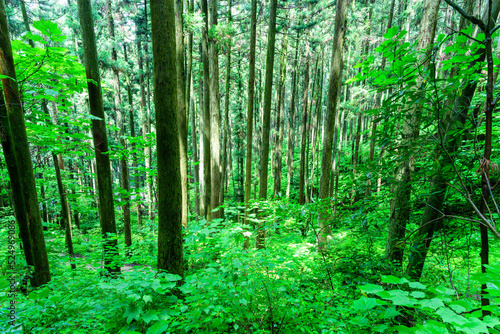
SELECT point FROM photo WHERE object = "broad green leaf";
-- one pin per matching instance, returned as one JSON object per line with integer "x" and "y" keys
{"x": 159, "y": 327}
{"x": 364, "y": 304}
{"x": 433, "y": 303}
{"x": 389, "y": 279}
{"x": 371, "y": 288}
{"x": 449, "y": 316}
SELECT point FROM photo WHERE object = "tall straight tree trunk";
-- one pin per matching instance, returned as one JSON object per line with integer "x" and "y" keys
{"x": 266, "y": 124}
{"x": 124, "y": 173}
{"x": 190, "y": 108}
{"x": 291, "y": 121}
{"x": 400, "y": 208}
{"x": 66, "y": 213}
{"x": 181, "y": 90}
{"x": 15, "y": 182}
{"x": 250, "y": 106}
{"x": 170, "y": 256}
{"x": 215, "y": 131}
{"x": 226, "y": 116}
{"x": 207, "y": 175}
{"x": 23, "y": 158}
{"x": 104, "y": 182}
{"x": 137, "y": 187}
{"x": 279, "y": 118}
{"x": 146, "y": 126}
{"x": 331, "y": 114}
{"x": 303, "y": 141}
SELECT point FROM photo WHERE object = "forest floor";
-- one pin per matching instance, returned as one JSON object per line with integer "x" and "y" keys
{"x": 288, "y": 287}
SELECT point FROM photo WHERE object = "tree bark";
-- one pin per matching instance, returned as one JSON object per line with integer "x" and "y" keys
{"x": 207, "y": 177}
{"x": 303, "y": 141}
{"x": 250, "y": 106}
{"x": 279, "y": 118}
{"x": 124, "y": 173}
{"x": 215, "y": 149}
{"x": 23, "y": 158}
{"x": 291, "y": 121}
{"x": 400, "y": 208}
{"x": 181, "y": 90}
{"x": 266, "y": 124}
{"x": 170, "y": 256}
{"x": 331, "y": 113}
{"x": 104, "y": 182}
{"x": 15, "y": 182}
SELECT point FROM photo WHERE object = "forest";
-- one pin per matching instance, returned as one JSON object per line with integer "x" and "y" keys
{"x": 249, "y": 166}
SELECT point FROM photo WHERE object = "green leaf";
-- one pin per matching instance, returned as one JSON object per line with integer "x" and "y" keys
{"x": 243, "y": 301}
{"x": 150, "y": 316}
{"x": 390, "y": 313}
{"x": 159, "y": 327}
{"x": 237, "y": 263}
{"x": 132, "y": 313}
{"x": 381, "y": 328}
{"x": 389, "y": 279}
{"x": 371, "y": 288}
{"x": 360, "y": 321}
{"x": 39, "y": 294}
{"x": 491, "y": 321}
{"x": 451, "y": 317}
{"x": 433, "y": 303}
{"x": 417, "y": 294}
{"x": 147, "y": 299}
{"x": 416, "y": 285}
{"x": 364, "y": 303}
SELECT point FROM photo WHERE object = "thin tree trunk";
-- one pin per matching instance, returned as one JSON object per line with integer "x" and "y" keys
{"x": 279, "y": 119}
{"x": 226, "y": 116}
{"x": 207, "y": 179}
{"x": 266, "y": 124}
{"x": 132, "y": 144}
{"x": 291, "y": 123}
{"x": 250, "y": 106}
{"x": 125, "y": 181}
{"x": 331, "y": 113}
{"x": 215, "y": 131}
{"x": 181, "y": 90}
{"x": 304, "y": 134}
{"x": 104, "y": 182}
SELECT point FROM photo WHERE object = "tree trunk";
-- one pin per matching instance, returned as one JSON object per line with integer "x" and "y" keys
{"x": 331, "y": 113}
{"x": 207, "y": 179}
{"x": 132, "y": 144}
{"x": 451, "y": 141}
{"x": 15, "y": 182}
{"x": 279, "y": 118}
{"x": 291, "y": 123}
{"x": 170, "y": 256}
{"x": 124, "y": 173}
{"x": 250, "y": 106}
{"x": 181, "y": 90}
{"x": 266, "y": 124}
{"x": 215, "y": 148}
{"x": 304, "y": 134}
{"x": 226, "y": 116}
{"x": 23, "y": 158}
{"x": 104, "y": 182}
{"x": 400, "y": 208}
